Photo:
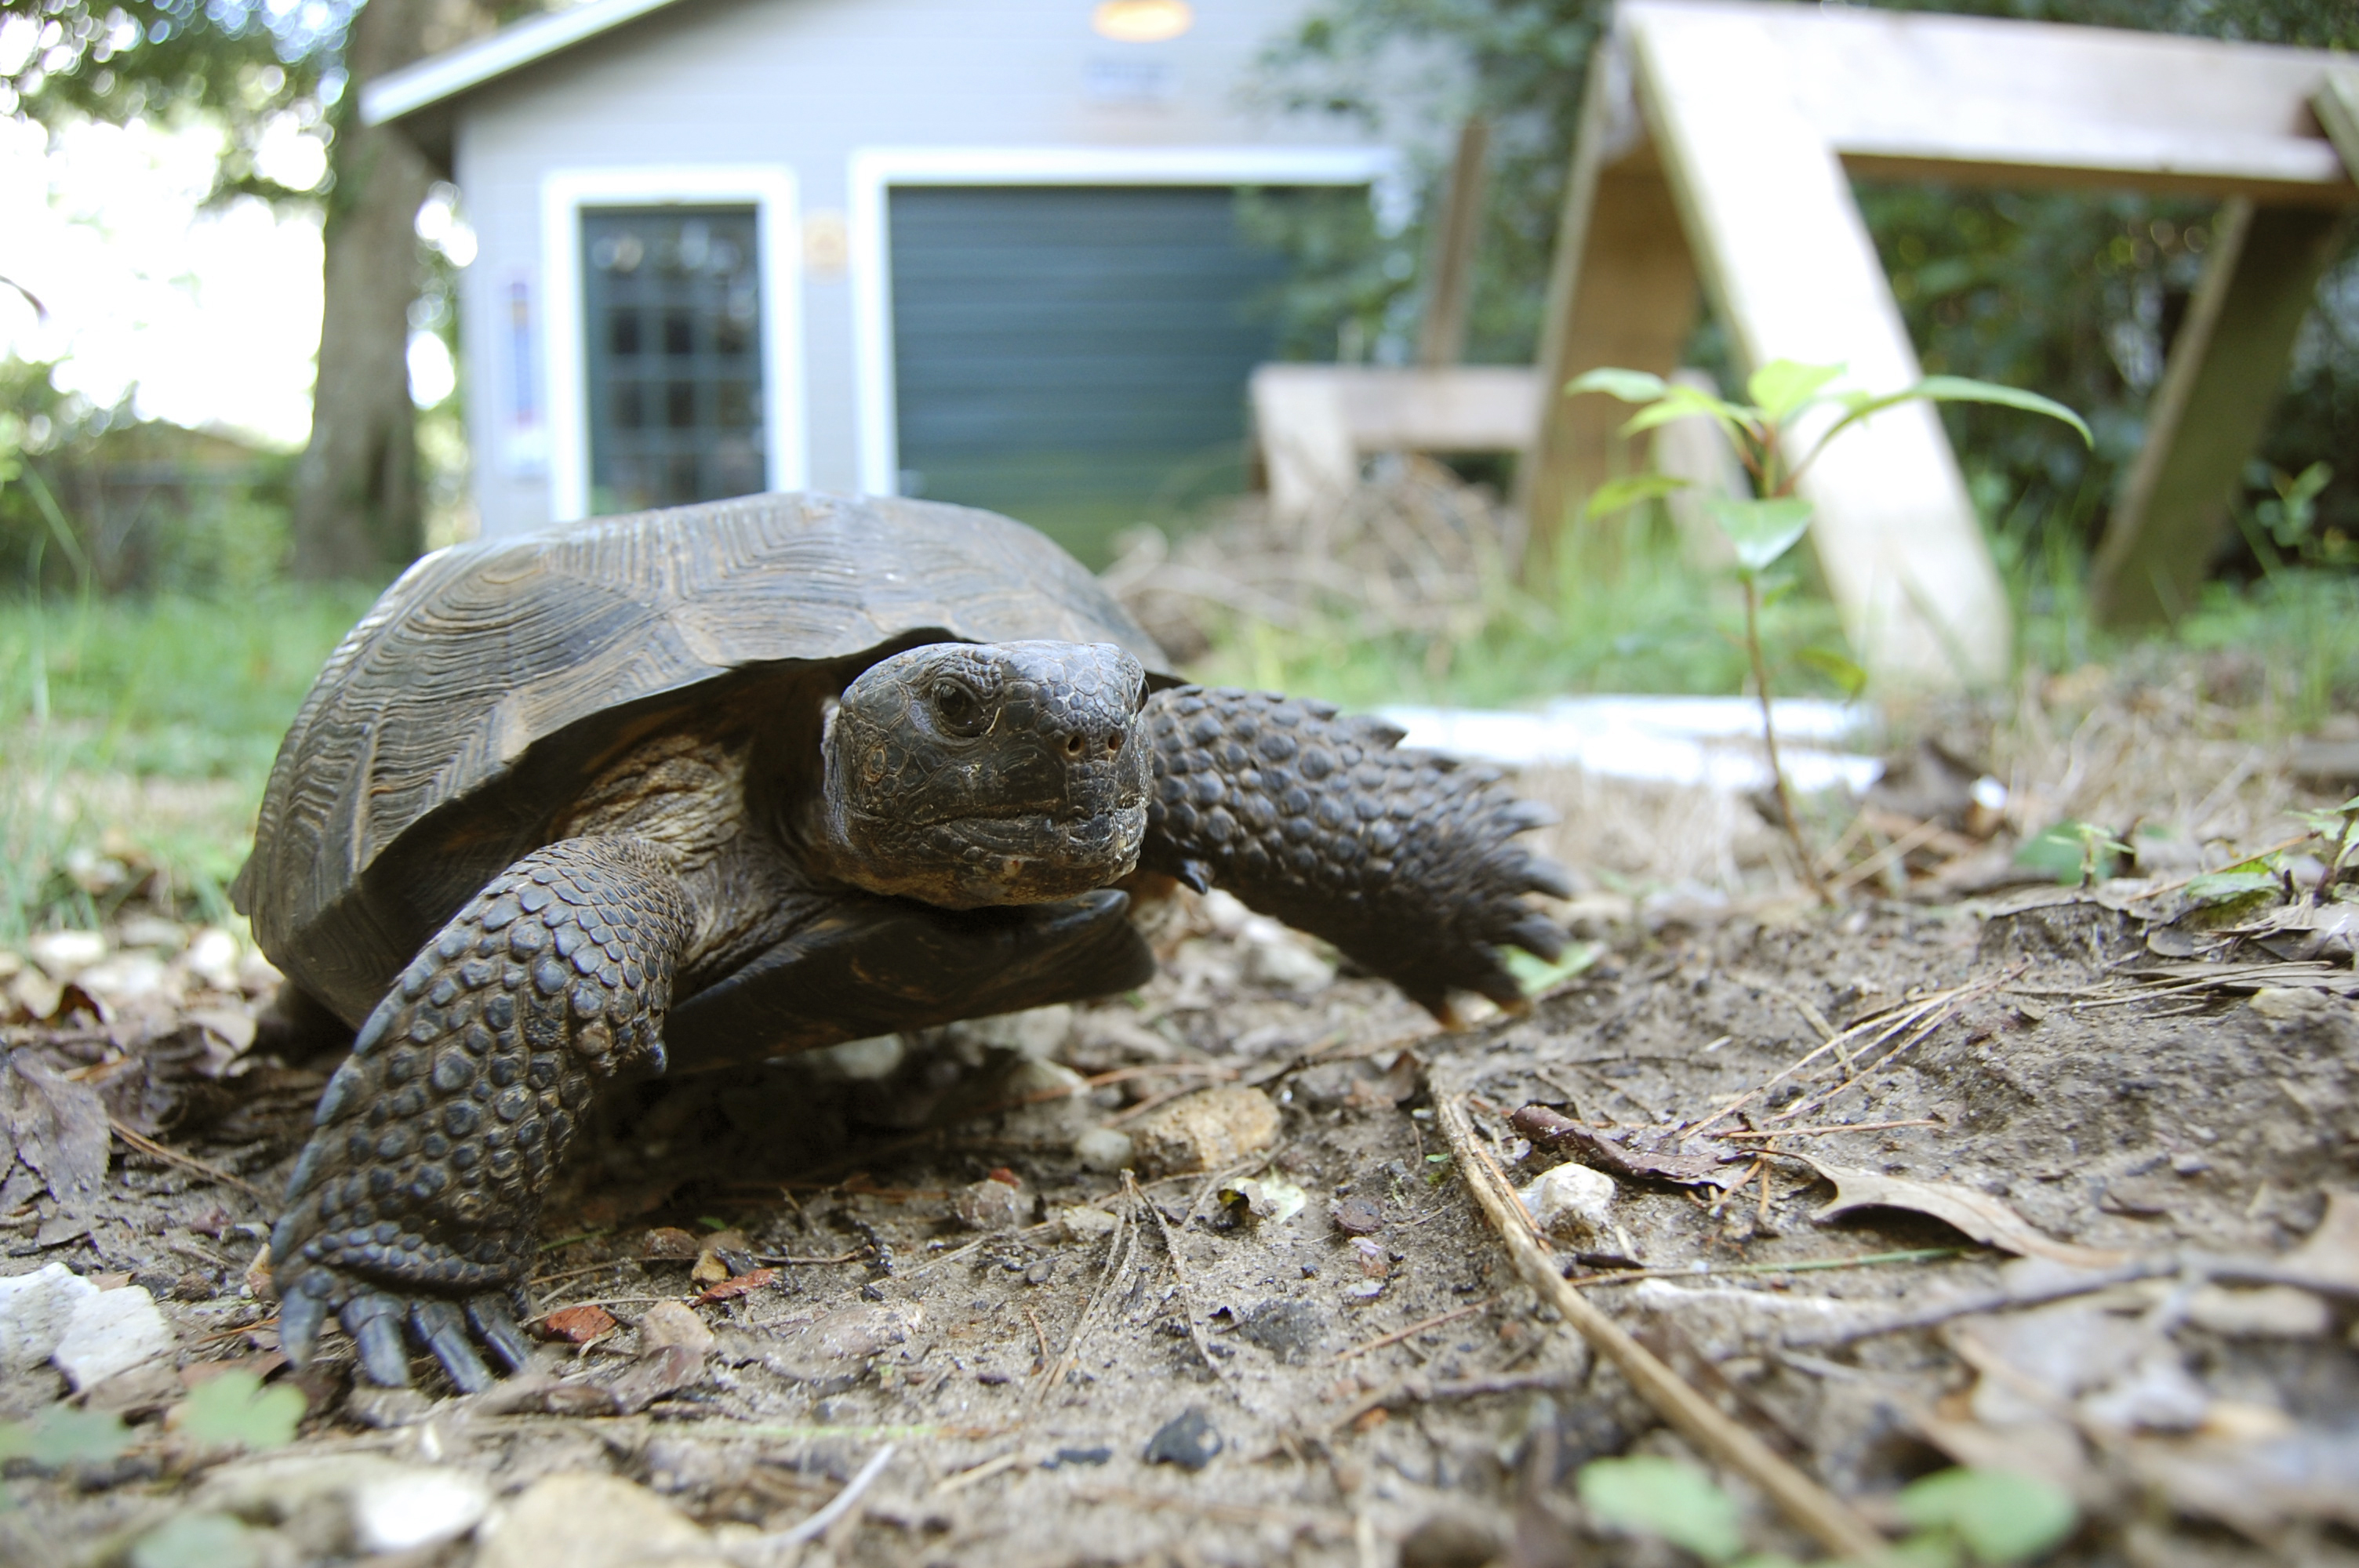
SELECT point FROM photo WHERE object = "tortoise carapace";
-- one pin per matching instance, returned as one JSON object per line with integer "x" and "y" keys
{"x": 735, "y": 780}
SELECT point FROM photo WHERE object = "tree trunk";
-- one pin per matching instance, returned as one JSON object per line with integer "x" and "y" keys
{"x": 357, "y": 496}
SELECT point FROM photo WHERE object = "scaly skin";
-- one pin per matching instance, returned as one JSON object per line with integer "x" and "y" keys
{"x": 1403, "y": 859}
{"x": 421, "y": 1185}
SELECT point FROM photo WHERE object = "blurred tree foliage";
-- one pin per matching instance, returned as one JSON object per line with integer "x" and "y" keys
{"x": 2071, "y": 294}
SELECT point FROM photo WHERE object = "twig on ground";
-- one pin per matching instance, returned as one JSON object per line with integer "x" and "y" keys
{"x": 1420, "y": 1390}
{"x": 2230, "y": 1271}
{"x": 817, "y": 1525}
{"x": 1122, "y": 1250}
{"x": 149, "y": 1147}
{"x": 1837, "y": 1127}
{"x": 1814, "y": 1510}
{"x": 982, "y": 1472}
{"x": 1413, "y": 1329}
{"x": 1178, "y": 1273}
{"x": 1039, "y": 1334}
{"x": 1808, "y": 1265}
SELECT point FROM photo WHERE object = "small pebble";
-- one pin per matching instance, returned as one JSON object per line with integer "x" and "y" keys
{"x": 1356, "y": 1216}
{"x": 2190, "y": 1164}
{"x": 1104, "y": 1149}
{"x": 1186, "y": 1440}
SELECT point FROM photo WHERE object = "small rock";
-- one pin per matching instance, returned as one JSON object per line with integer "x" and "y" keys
{"x": 668, "y": 1323}
{"x": 2273, "y": 1311}
{"x": 416, "y": 1508}
{"x": 989, "y": 1205}
{"x": 1040, "y": 1272}
{"x": 213, "y": 959}
{"x": 1036, "y": 1032}
{"x": 593, "y": 1521}
{"x": 2189, "y": 1163}
{"x": 64, "y": 953}
{"x": 112, "y": 1332}
{"x": 1186, "y": 1440}
{"x": 1355, "y": 1216}
{"x": 35, "y": 1309}
{"x": 1205, "y": 1132}
{"x": 1276, "y": 956}
{"x": 1288, "y": 1330}
{"x": 670, "y": 1244}
{"x": 1572, "y": 1201}
{"x": 386, "y": 1409}
{"x": 152, "y": 931}
{"x": 2278, "y": 1003}
{"x": 1107, "y": 1148}
{"x": 1034, "y": 1081}
{"x": 862, "y": 1060}
{"x": 35, "y": 995}
{"x": 1064, "y": 1456}
{"x": 1082, "y": 1223}
{"x": 581, "y": 1325}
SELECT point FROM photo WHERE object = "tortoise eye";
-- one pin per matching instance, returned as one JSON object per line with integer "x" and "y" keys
{"x": 960, "y": 710}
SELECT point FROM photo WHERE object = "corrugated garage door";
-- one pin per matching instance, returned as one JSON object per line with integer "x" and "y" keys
{"x": 1075, "y": 356}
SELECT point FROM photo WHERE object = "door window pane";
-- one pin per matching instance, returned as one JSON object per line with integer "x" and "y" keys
{"x": 672, "y": 301}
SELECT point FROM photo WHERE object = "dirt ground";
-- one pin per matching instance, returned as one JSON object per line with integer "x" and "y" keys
{"x": 1289, "y": 1335}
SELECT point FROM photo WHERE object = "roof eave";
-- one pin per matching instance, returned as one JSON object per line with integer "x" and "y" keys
{"x": 433, "y": 83}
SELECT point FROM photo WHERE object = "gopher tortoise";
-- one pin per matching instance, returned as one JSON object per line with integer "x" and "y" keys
{"x": 730, "y": 780}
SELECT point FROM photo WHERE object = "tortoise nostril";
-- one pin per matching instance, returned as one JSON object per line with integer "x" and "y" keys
{"x": 1114, "y": 744}
{"x": 1073, "y": 744}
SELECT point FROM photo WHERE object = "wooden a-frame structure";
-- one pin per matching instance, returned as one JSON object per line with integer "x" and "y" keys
{"x": 1716, "y": 145}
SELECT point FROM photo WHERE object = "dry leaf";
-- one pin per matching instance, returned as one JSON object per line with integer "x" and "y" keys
{"x": 579, "y": 1324}
{"x": 739, "y": 1286}
{"x": 59, "y": 1125}
{"x": 1979, "y": 1215}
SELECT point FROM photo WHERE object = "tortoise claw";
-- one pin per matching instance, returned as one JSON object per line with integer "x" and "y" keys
{"x": 443, "y": 1327}
{"x": 373, "y": 1321}
{"x": 494, "y": 1321}
{"x": 300, "y": 1316}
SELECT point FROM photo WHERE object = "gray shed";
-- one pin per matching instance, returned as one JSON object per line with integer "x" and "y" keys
{"x": 978, "y": 252}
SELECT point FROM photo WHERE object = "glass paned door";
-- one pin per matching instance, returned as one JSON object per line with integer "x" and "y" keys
{"x": 672, "y": 319}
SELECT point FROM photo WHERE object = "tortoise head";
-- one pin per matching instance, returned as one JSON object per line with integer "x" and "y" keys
{"x": 966, "y": 773}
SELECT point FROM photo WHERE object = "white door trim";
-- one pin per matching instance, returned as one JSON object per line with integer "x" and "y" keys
{"x": 874, "y": 170}
{"x": 770, "y": 188}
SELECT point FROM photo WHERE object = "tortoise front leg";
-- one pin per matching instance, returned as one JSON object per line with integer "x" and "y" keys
{"x": 416, "y": 1198}
{"x": 1406, "y": 860}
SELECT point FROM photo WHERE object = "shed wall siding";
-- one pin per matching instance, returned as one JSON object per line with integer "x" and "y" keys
{"x": 804, "y": 83}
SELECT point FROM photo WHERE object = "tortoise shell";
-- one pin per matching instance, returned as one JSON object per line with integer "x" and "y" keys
{"x": 452, "y": 727}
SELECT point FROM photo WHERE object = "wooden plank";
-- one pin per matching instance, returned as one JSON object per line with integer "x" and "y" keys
{"x": 2216, "y": 394}
{"x": 2336, "y": 105}
{"x": 1789, "y": 262}
{"x": 1901, "y": 94}
{"x": 1315, "y": 422}
{"x": 1450, "y": 256}
{"x": 1622, "y": 291}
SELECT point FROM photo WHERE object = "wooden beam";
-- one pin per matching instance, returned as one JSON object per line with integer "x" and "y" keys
{"x": 1622, "y": 291}
{"x": 2336, "y": 105}
{"x": 1449, "y": 250}
{"x": 1789, "y": 262}
{"x": 2217, "y": 392}
{"x": 1902, "y": 94}
{"x": 1314, "y": 422}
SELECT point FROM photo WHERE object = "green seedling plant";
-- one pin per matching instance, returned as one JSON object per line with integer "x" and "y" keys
{"x": 1772, "y": 437}
{"x": 1991, "y": 1518}
{"x": 2077, "y": 854}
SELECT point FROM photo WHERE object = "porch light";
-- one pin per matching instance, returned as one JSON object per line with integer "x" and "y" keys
{"x": 1141, "y": 21}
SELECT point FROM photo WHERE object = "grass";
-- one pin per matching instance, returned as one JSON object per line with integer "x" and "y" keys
{"x": 134, "y": 739}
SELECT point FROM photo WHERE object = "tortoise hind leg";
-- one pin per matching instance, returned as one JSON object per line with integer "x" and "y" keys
{"x": 416, "y": 1198}
{"x": 1406, "y": 860}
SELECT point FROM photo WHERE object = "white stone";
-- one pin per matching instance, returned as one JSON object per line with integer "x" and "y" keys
{"x": 35, "y": 1310}
{"x": 112, "y": 1332}
{"x": 1036, "y": 1032}
{"x": 1571, "y": 1201}
{"x": 213, "y": 959}
{"x": 873, "y": 1058}
{"x": 1276, "y": 957}
{"x": 416, "y": 1509}
{"x": 152, "y": 931}
{"x": 1103, "y": 1148}
{"x": 1036, "y": 1081}
{"x": 65, "y": 953}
